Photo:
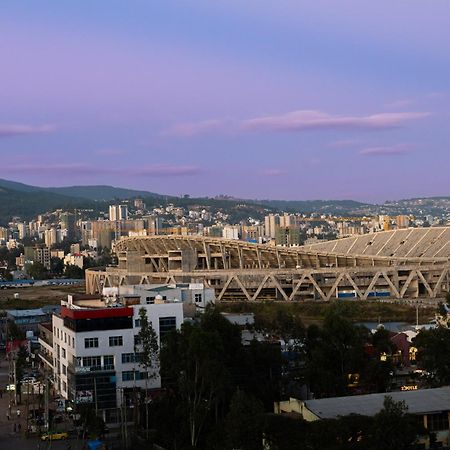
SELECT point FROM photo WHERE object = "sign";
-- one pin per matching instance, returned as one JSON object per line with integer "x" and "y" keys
{"x": 84, "y": 397}
{"x": 409, "y": 388}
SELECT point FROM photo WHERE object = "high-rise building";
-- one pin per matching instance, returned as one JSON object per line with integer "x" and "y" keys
{"x": 118, "y": 212}
{"x": 271, "y": 222}
{"x": 287, "y": 236}
{"x": 68, "y": 223}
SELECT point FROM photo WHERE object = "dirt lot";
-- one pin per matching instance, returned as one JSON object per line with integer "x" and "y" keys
{"x": 36, "y": 296}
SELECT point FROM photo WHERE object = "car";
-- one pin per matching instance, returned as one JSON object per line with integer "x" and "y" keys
{"x": 54, "y": 436}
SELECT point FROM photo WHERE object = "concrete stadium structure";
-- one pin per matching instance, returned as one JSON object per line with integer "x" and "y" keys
{"x": 401, "y": 264}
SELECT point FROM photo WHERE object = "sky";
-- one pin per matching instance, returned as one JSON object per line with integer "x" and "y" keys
{"x": 286, "y": 99}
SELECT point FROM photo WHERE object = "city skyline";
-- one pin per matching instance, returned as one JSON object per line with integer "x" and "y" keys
{"x": 304, "y": 100}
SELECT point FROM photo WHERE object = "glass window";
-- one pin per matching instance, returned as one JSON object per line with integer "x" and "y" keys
{"x": 64, "y": 369}
{"x": 63, "y": 351}
{"x": 128, "y": 375}
{"x": 198, "y": 298}
{"x": 108, "y": 362}
{"x": 150, "y": 300}
{"x": 166, "y": 325}
{"x": 90, "y": 342}
{"x": 137, "y": 322}
{"x": 115, "y": 341}
{"x": 437, "y": 422}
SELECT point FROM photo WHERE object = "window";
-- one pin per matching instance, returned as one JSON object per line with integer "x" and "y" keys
{"x": 150, "y": 300}
{"x": 137, "y": 322}
{"x": 90, "y": 342}
{"x": 128, "y": 375}
{"x": 63, "y": 351}
{"x": 198, "y": 298}
{"x": 64, "y": 370}
{"x": 437, "y": 422}
{"x": 137, "y": 340}
{"x": 131, "y": 358}
{"x": 92, "y": 361}
{"x": 64, "y": 386}
{"x": 141, "y": 375}
{"x": 166, "y": 325}
{"x": 108, "y": 362}
{"x": 73, "y": 342}
{"x": 115, "y": 341}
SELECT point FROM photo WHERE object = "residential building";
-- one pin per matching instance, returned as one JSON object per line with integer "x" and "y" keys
{"x": 118, "y": 212}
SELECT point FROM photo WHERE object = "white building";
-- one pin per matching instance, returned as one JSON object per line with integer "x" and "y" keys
{"x": 74, "y": 260}
{"x": 187, "y": 293}
{"x": 118, "y": 212}
{"x": 94, "y": 349}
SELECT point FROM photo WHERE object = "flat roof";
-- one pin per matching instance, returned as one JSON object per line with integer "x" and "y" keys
{"x": 420, "y": 401}
{"x": 26, "y": 312}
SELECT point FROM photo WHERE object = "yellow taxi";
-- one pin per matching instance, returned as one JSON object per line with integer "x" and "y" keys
{"x": 54, "y": 436}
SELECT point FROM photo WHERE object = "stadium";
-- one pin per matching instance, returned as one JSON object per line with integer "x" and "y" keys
{"x": 400, "y": 264}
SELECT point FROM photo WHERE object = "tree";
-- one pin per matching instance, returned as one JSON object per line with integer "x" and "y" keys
{"x": 244, "y": 422}
{"x": 72, "y": 271}
{"x": 393, "y": 427}
{"x": 200, "y": 363}
{"x": 37, "y": 271}
{"x": 434, "y": 354}
{"x": 57, "y": 265}
{"x": 148, "y": 351}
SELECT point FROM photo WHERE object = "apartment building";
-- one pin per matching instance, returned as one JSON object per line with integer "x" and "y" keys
{"x": 95, "y": 349}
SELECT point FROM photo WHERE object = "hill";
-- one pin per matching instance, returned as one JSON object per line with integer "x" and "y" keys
{"x": 97, "y": 193}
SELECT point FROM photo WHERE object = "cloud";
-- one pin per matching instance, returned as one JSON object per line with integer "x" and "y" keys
{"x": 298, "y": 121}
{"x": 160, "y": 170}
{"x": 315, "y": 120}
{"x": 393, "y": 150}
{"x": 55, "y": 169}
{"x": 10, "y": 130}
{"x": 156, "y": 170}
{"x": 198, "y": 128}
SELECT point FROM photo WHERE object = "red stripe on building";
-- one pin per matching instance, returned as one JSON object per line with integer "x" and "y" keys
{"x": 100, "y": 313}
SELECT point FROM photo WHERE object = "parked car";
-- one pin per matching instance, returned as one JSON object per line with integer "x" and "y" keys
{"x": 54, "y": 436}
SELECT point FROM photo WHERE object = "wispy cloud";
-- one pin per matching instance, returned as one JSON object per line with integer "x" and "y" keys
{"x": 389, "y": 150}
{"x": 316, "y": 120}
{"x": 298, "y": 121}
{"x": 11, "y": 130}
{"x": 160, "y": 170}
{"x": 156, "y": 170}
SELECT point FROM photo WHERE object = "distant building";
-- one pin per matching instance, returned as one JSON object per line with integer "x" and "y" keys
{"x": 271, "y": 222}
{"x": 68, "y": 223}
{"x": 287, "y": 236}
{"x": 118, "y": 212}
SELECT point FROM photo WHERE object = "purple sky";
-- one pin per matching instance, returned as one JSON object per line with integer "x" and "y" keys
{"x": 286, "y": 99}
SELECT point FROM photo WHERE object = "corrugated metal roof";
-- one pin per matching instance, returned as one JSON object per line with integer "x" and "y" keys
{"x": 420, "y": 401}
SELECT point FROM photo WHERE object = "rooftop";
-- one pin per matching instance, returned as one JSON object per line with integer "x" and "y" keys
{"x": 420, "y": 401}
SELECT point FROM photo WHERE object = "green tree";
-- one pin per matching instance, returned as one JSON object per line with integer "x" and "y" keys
{"x": 244, "y": 422}
{"x": 393, "y": 427}
{"x": 434, "y": 354}
{"x": 37, "y": 271}
{"x": 72, "y": 271}
{"x": 199, "y": 364}
{"x": 148, "y": 351}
